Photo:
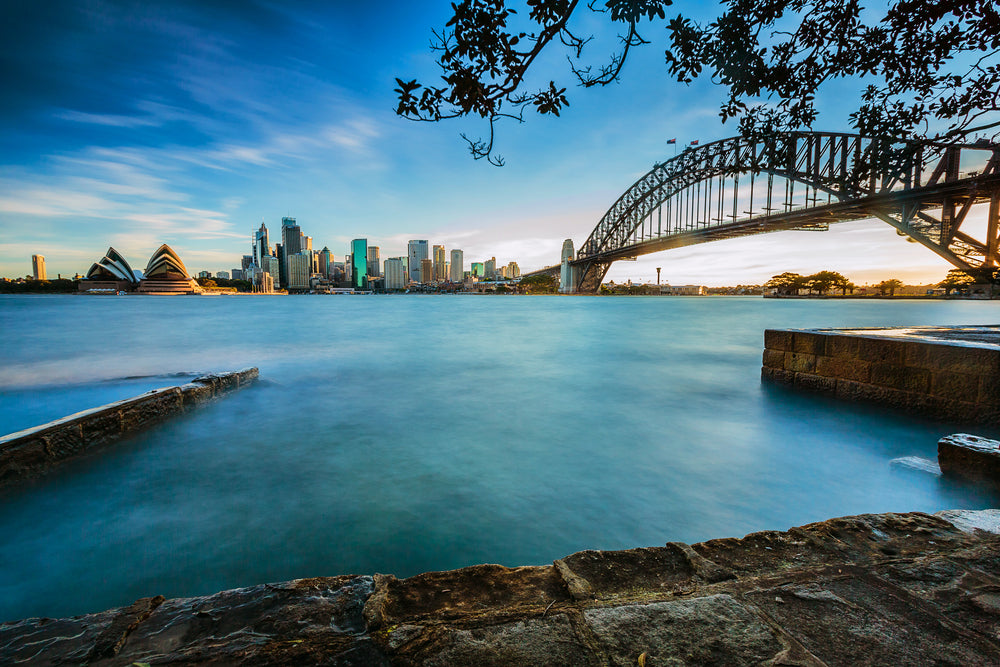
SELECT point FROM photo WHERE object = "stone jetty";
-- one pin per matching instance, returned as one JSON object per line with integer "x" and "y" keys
{"x": 949, "y": 373}
{"x": 34, "y": 451}
{"x": 878, "y": 589}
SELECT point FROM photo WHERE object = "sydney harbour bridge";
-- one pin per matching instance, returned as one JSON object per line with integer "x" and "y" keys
{"x": 798, "y": 181}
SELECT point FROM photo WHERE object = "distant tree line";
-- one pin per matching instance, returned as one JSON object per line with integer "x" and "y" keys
{"x": 238, "y": 285}
{"x": 57, "y": 286}
{"x": 789, "y": 283}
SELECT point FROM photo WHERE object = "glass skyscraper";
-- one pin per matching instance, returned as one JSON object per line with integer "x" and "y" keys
{"x": 359, "y": 260}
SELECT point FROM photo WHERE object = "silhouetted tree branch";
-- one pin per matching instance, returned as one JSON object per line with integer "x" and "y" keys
{"x": 930, "y": 70}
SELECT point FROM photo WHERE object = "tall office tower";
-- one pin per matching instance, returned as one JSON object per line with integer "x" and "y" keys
{"x": 298, "y": 271}
{"x": 490, "y": 268}
{"x": 261, "y": 245}
{"x": 271, "y": 266}
{"x": 477, "y": 269}
{"x": 374, "y": 270}
{"x": 567, "y": 278}
{"x": 237, "y": 274}
{"x": 324, "y": 261}
{"x": 513, "y": 271}
{"x": 291, "y": 244}
{"x": 457, "y": 264}
{"x": 38, "y": 266}
{"x": 395, "y": 273}
{"x": 279, "y": 251}
{"x": 426, "y": 271}
{"x": 439, "y": 260}
{"x": 307, "y": 243}
{"x": 416, "y": 252}
{"x": 246, "y": 263}
{"x": 359, "y": 263}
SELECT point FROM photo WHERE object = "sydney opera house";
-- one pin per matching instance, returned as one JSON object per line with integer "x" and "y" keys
{"x": 165, "y": 274}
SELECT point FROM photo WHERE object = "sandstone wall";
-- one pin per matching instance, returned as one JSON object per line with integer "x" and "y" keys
{"x": 936, "y": 378}
{"x": 35, "y": 450}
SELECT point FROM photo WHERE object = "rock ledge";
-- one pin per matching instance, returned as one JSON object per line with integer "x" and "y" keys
{"x": 871, "y": 589}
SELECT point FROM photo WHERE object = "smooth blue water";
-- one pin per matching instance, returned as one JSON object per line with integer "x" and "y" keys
{"x": 402, "y": 434}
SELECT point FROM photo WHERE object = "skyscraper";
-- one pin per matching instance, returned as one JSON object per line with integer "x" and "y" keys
{"x": 490, "y": 269}
{"x": 359, "y": 262}
{"x": 439, "y": 262}
{"x": 291, "y": 244}
{"x": 38, "y": 267}
{"x": 298, "y": 271}
{"x": 374, "y": 270}
{"x": 477, "y": 269}
{"x": 457, "y": 264}
{"x": 416, "y": 252}
{"x": 426, "y": 271}
{"x": 261, "y": 245}
{"x": 395, "y": 273}
{"x": 324, "y": 261}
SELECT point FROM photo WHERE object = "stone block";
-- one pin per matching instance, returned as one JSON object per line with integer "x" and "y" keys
{"x": 970, "y": 456}
{"x": 534, "y": 641}
{"x": 953, "y": 358}
{"x": 710, "y": 630}
{"x": 800, "y": 363}
{"x": 808, "y": 342}
{"x": 883, "y": 350}
{"x": 101, "y": 427}
{"x": 777, "y": 375}
{"x": 63, "y": 440}
{"x": 847, "y": 368}
{"x": 150, "y": 408}
{"x": 195, "y": 393}
{"x": 854, "y": 618}
{"x": 247, "y": 376}
{"x": 842, "y": 346}
{"x": 773, "y": 359}
{"x": 905, "y": 378}
{"x": 816, "y": 383}
{"x": 989, "y": 389}
{"x": 608, "y": 574}
{"x": 23, "y": 457}
{"x": 778, "y": 339}
{"x": 955, "y": 386}
{"x": 457, "y": 592}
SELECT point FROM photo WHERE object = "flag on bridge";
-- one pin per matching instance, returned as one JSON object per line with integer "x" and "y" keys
{"x": 694, "y": 143}
{"x": 671, "y": 141}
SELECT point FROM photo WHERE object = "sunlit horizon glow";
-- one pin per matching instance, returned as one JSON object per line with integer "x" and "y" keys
{"x": 190, "y": 123}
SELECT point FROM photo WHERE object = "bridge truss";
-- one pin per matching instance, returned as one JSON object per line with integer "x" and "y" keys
{"x": 806, "y": 181}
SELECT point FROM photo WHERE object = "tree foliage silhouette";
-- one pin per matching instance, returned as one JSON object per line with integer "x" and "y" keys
{"x": 929, "y": 70}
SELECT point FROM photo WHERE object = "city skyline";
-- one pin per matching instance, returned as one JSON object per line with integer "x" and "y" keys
{"x": 166, "y": 124}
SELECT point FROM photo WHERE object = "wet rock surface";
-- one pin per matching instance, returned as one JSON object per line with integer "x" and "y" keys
{"x": 880, "y": 589}
{"x": 970, "y": 456}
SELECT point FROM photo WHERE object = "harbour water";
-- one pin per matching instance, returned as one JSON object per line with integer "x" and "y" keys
{"x": 402, "y": 434}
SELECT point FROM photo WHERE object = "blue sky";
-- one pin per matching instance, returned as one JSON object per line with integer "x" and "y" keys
{"x": 139, "y": 123}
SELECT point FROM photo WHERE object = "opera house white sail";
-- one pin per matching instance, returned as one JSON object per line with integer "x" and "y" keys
{"x": 166, "y": 274}
{"x": 111, "y": 274}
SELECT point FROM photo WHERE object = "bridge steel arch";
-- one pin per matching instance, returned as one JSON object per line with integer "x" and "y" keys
{"x": 802, "y": 180}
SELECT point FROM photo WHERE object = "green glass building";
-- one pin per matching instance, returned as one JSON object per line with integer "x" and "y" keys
{"x": 359, "y": 263}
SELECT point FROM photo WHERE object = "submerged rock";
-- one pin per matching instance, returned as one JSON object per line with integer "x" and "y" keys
{"x": 970, "y": 456}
